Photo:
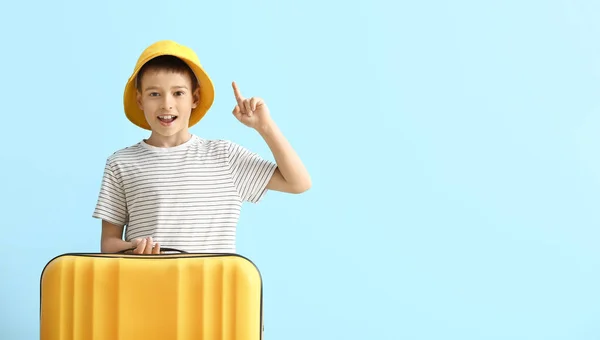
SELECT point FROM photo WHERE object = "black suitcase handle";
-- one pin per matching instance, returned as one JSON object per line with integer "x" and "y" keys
{"x": 161, "y": 249}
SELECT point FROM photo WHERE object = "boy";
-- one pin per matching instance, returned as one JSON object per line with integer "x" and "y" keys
{"x": 176, "y": 189}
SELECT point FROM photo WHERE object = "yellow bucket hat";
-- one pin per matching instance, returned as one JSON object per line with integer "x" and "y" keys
{"x": 168, "y": 47}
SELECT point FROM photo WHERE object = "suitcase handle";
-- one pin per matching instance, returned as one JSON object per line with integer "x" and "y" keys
{"x": 161, "y": 249}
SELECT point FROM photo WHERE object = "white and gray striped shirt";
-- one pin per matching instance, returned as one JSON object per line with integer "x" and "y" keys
{"x": 187, "y": 197}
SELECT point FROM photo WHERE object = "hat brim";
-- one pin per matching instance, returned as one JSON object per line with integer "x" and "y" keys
{"x": 206, "y": 90}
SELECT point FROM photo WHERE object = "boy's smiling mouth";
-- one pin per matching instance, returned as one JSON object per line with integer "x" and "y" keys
{"x": 166, "y": 119}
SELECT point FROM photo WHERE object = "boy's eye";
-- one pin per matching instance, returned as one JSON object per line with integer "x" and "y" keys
{"x": 179, "y": 93}
{"x": 153, "y": 94}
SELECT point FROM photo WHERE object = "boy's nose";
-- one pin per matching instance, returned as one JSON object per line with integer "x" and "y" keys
{"x": 167, "y": 103}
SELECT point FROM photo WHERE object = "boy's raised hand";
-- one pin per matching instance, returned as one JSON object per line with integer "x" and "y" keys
{"x": 252, "y": 112}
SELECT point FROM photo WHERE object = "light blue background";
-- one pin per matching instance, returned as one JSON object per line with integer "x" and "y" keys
{"x": 453, "y": 148}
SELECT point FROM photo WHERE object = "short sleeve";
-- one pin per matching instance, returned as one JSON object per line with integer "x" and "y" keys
{"x": 250, "y": 172}
{"x": 111, "y": 205}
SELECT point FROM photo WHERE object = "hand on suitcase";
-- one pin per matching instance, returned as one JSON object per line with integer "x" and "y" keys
{"x": 145, "y": 246}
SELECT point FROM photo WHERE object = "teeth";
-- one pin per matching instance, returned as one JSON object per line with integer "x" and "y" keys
{"x": 166, "y": 117}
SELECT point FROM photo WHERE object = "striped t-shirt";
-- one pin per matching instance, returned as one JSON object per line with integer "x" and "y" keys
{"x": 187, "y": 197}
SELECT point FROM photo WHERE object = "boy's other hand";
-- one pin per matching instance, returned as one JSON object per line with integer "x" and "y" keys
{"x": 252, "y": 112}
{"x": 145, "y": 246}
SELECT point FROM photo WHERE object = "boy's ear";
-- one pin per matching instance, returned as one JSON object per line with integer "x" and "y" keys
{"x": 196, "y": 97}
{"x": 138, "y": 98}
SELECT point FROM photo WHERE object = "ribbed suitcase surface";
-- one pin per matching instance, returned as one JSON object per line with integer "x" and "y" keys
{"x": 174, "y": 297}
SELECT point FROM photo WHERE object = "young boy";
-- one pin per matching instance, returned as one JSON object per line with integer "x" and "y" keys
{"x": 176, "y": 189}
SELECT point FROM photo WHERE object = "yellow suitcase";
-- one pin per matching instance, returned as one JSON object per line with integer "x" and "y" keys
{"x": 168, "y": 296}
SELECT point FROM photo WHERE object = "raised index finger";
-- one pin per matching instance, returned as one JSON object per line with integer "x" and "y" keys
{"x": 236, "y": 92}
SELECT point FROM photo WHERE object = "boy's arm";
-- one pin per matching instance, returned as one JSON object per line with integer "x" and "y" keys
{"x": 291, "y": 175}
{"x": 112, "y": 241}
{"x": 111, "y": 206}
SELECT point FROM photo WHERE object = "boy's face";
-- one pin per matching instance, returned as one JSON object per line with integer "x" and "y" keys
{"x": 167, "y": 101}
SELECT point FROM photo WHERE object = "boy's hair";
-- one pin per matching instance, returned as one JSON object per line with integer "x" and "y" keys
{"x": 166, "y": 63}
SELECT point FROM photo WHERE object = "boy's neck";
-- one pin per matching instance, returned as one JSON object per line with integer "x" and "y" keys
{"x": 168, "y": 141}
